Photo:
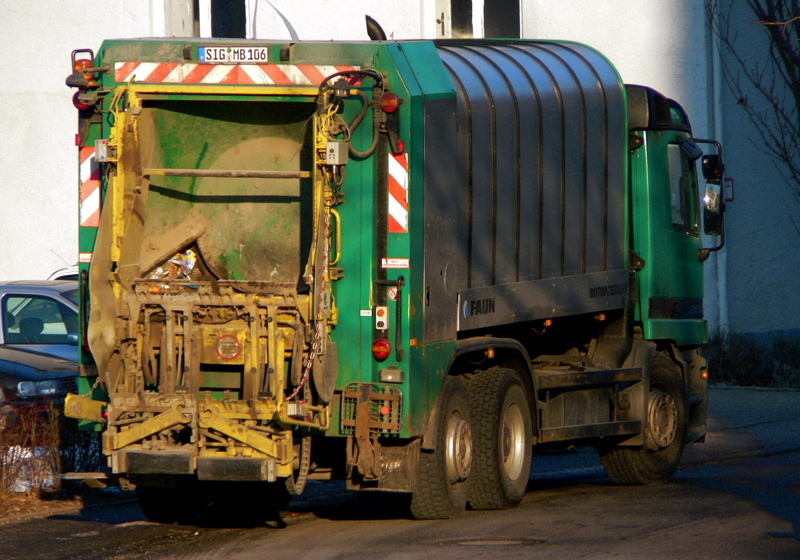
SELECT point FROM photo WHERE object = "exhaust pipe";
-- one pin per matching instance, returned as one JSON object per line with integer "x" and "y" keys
{"x": 374, "y": 30}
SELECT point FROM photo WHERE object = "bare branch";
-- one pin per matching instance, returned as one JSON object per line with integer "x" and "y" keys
{"x": 766, "y": 84}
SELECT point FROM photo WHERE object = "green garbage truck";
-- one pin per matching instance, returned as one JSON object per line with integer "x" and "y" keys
{"x": 402, "y": 264}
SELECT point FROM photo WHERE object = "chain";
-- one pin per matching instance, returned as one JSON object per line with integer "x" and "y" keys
{"x": 320, "y": 320}
{"x": 95, "y": 386}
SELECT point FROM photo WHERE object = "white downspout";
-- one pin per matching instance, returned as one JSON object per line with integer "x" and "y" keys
{"x": 205, "y": 18}
{"x": 721, "y": 255}
{"x": 478, "y": 30}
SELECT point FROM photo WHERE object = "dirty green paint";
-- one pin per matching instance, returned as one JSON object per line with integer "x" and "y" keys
{"x": 671, "y": 269}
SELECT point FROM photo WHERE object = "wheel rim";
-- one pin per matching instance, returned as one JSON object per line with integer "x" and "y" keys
{"x": 663, "y": 420}
{"x": 513, "y": 441}
{"x": 459, "y": 449}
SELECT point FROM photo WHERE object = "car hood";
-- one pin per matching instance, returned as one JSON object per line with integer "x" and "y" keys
{"x": 30, "y": 365}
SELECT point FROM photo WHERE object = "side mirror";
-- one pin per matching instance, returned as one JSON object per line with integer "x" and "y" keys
{"x": 713, "y": 205}
{"x": 712, "y": 211}
{"x": 713, "y": 168}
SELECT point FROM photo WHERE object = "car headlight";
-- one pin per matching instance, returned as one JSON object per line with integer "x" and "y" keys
{"x": 29, "y": 389}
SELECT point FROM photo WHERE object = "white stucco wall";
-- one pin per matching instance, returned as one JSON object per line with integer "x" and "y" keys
{"x": 762, "y": 223}
{"x": 39, "y": 210}
{"x": 657, "y": 44}
{"x": 660, "y": 44}
{"x": 38, "y": 158}
{"x": 335, "y": 20}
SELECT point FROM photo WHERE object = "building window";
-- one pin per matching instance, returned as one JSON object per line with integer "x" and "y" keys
{"x": 228, "y": 19}
{"x": 501, "y": 19}
{"x": 461, "y": 11}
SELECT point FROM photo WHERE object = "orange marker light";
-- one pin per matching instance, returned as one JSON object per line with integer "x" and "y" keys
{"x": 381, "y": 348}
{"x": 389, "y": 102}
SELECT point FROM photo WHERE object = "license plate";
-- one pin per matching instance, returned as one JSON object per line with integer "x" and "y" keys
{"x": 234, "y": 55}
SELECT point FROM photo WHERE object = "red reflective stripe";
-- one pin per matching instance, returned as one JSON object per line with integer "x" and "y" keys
{"x": 85, "y": 153}
{"x": 93, "y": 220}
{"x": 89, "y": 186}
{"x": 355, "y": 80}
{"x": 312, "y": 72}
{"x": 395, "y": 226}
{"x": 160, "y": 72}
{"x": 275, "y": 74}
{"x": 122, "y": 72}
{"x": 402, "y": 159}
{"x": 89, "y": 190}
{"x": 397, "y": 192}
{"x": 279, "y": 74}
{"x": 232, "y": 77}
{"x": 198, "y": 73}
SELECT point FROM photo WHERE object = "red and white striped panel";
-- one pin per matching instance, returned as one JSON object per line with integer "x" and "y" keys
{"x": 230, "y": 74}
{"x": 90, "y": 188}
{"x": 398, "y": 193}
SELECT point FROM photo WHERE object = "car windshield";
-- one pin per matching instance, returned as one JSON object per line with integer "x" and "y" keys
{"x": 72, "y": 295}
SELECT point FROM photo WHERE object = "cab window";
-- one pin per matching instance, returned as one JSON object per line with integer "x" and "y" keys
{"x": 683, "y": 191}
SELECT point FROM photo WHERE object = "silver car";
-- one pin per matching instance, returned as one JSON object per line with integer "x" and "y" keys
{"x": 40, "y": 316}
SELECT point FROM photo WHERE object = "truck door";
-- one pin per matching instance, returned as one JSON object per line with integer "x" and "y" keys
{"x": 666, "y": 236}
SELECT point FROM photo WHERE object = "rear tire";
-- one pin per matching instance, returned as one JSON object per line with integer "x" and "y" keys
{"x": 503, "y": 439}
{"x": 173, "y": 503}
{"x": 443, "y": 475}
{"x": 665, "y": 432}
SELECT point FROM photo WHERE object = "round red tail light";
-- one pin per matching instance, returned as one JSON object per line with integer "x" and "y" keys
{"x": 228, "y": 347}
{"x": 381, "y": 348}
{"x": 389, "y": 102}
{"x": 82, "y": 101}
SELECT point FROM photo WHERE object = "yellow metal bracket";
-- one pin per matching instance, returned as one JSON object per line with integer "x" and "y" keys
{"x": 152, "y": 426}
{"x": 211, "y": 418}
{"x": 84, "y": 408}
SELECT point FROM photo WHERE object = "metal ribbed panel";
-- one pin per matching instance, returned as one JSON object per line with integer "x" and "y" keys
{"x": 536, "y": 190}
{"x": 542, "y": 133}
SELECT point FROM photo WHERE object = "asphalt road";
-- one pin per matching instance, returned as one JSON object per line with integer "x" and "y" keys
{"x": 737, "y": 496}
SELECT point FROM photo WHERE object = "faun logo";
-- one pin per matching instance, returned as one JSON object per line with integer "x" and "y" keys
{"x": 608, "y": 291}
{"x": 478, "y": 307}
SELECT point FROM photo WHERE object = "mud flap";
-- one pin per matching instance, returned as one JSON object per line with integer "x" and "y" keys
{"x": 326, "y": 372}
{"x": 637, "y": 397}
{"x": 397, "y": 472}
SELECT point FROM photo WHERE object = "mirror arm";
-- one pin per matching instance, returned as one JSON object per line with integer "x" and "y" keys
{"x": 704, "y": 253}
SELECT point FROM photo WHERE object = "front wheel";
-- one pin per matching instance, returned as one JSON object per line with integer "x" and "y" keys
{"x": 503, "y": 439}
{"x": 443, "y": 475}
{"x": 665, "y": 432}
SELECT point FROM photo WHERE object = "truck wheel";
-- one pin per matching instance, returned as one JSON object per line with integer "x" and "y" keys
{"x": 665, "y": 432}
{"x": 503, "y": 439}
{"x": 173, "y": 504}
{"x": 443, "y": 475}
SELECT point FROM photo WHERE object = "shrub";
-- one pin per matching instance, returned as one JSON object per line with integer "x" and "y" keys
{"x": 29, "y": 442}
{"x": 754, "y": 361}
{"x": 37, "y": 443}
